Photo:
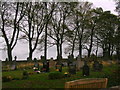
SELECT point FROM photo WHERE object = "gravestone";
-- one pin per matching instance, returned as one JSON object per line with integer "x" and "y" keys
{"x": 70, "y": 59}
{"x": 65, "y": 64}
{"x": 14, "y": 66}
{"x": 71, "y": 64}
{"x": 79, "y": 63}
{"x": 45, "y": 67}
{"x": 72, "y": 68}
{"x": 28, "y": 59}
{"x": 86, "y": 69}
{"x": 36, "y": 65}
{"x": 6, "y": 59}
{"x": 51, "y": 63}
{"x": 58, "y": 66}
{"x": 97, "y": 66}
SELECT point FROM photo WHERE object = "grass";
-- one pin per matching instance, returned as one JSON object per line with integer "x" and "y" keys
{"x": 41, "y": 80}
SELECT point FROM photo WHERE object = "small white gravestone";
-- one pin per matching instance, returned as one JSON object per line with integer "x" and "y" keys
{"x": 79, "y": 63}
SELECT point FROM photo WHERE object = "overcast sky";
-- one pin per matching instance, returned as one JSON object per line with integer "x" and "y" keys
{"x": 105, "y": 4}
{"x": 21, "y": 49}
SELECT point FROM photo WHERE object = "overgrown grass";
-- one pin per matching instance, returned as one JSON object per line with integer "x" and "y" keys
{"x": 42, "y": 81}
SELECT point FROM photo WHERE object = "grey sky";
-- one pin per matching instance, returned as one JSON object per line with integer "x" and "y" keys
{"x": 105, "y": 4}
{"x": 21, "y": 49}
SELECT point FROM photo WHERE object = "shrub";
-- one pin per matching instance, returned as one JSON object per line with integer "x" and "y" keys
{"x": 55, "y": 75}
{"x": 25, "y": 75}
{"x": 115, "y": 78}
{"x": 6, "y": 78}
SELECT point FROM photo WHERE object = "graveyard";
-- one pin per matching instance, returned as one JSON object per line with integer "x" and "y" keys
{"x": 55, "y": 75}
{"x": 67, "y": 44}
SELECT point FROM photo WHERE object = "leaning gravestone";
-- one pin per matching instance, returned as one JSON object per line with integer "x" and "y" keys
{"x": 86, "y": 69}
{"x": 79, "y": 63}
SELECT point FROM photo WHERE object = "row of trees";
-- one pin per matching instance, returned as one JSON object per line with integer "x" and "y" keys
{"x": 76, "y": 24}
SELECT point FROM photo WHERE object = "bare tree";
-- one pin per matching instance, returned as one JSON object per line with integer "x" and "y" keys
{"x": 11, "y": 15}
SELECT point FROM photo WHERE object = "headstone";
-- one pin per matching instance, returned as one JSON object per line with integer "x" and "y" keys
{"x": 6, "y": 59}
{"x": 14, "y": 66}
{"x": 28, "y": 59}
{"x": 15, "y": 58}
{"x": 51, "y": 63}
{"x": 58, "y": 66}
{"x": 97, "y": 66}
{"x": 36, "y": 65}
{"x": 72, "y": 68}
{"x": 79, "y": 63}
{"x": 45, "y": 67}
{"x": 65, "y": 64}
{"x": 71, "y": 64}
{"x": 70, "y": 59}
{"x": 86, "y": 69}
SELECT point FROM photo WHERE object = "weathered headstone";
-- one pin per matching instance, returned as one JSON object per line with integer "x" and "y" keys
{"x": 6, "y": 59}
{"x": 58, "y": 66}
{"x": 70, "y": 59}
{"x": 28, "y": 59}
{"x": 45, "y": 67}
{"x": 36, "y": 65}
{"x": 71, "y": 65}
{"x": 86, "y": 69}
{"x": 65, "y": 64}
{"x": 79, "y": 63}
{"x": 72, "y": 68}
{"x": 14, "y": 66}
{"x": 51, "y": 63}
{"x": 97, "y": 66}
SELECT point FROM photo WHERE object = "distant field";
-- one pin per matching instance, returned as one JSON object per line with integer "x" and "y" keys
{"x": 41, "y": 80}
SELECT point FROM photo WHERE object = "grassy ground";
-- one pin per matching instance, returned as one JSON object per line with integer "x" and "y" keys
{"x": 41, "y": 80}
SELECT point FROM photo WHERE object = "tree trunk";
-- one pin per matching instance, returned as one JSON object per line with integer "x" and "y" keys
{"x": 97, "y": 49}
{"x": 73, "y": 46}
{"x": 30, "y": 55}
{"x": 80, "y": 48}
{"x": 58, "y": 50}
{"x": 91, "y": 42}
{"x": 61, "y": 50}
{"x": 45, "y": 52}
{"x": 9, "y": 50}
{"x": 109, "y": 49}
{"x": 118, "y": 52}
